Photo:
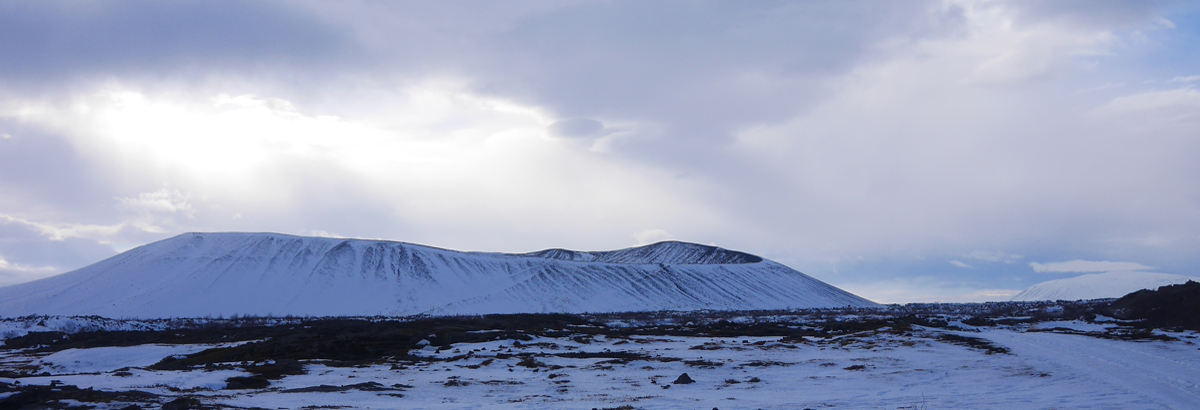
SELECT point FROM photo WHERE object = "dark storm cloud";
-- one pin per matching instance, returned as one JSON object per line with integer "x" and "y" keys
{"x": 698, "y": 68}
{"x": 48, "y": 41}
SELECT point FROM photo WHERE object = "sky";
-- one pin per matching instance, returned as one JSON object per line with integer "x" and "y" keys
{"x": 906, "y": 151}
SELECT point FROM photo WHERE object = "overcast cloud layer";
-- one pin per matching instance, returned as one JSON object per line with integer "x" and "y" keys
{"x": 906, "y": 151}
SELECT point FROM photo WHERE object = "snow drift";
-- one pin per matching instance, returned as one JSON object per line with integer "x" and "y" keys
{"x": 1099, "y": 285}
{"x": 211, "y": 274}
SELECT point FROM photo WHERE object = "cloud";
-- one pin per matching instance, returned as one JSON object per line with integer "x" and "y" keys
{"x": 1186, "y": 79}
{"x": 1170, "y": 107}
{"x": 836, "y": 136}
{"x": 454, "y": 161}
{"x": 576, "y": 128}
{"x": 11, "y": 273}
{"x": 324, "y": 234}
{"x": 59, "y": 232}
{"x": 6, "y": 266}
{"x": 164, "y": 201}
{"x": 649, "y": 236}
{"x": 697, "y": 70}
{"x": 993, "y": 256}
{"x": 26, "y": 254}
{"x": 1106, "y": 14}
{"x": 40, "y": 170}
{"x": 1081, "y": 266}
{"x": 925, "y": 289}
{"x": 76, "y": 41}
{"x": 961, "y": 264}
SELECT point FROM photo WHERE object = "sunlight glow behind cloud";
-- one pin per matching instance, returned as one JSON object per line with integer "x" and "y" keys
{"x": 455, "y": 159}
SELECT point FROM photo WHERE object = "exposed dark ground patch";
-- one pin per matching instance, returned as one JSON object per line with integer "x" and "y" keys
{"x": 29, "y": 396}
{"x": 368, "y": 386}
{"x": 973, "y": 342}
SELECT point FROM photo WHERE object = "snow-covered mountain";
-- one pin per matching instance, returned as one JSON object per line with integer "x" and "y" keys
{"x": 202, "y": 274}
{"x": 1099, "y": 285}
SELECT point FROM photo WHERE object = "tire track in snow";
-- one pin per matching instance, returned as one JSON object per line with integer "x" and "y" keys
{"x": 1164, "y": 378}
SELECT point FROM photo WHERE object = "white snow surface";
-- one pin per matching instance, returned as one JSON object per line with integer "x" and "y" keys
{"x": 20, "y": 326}
{"x": 224, "y": 274}
{"x": 1074, "y": 325}
{"x": 873, "y": 370}
{"x": 1099, "y": 286}
{"x": 107, "y": 359}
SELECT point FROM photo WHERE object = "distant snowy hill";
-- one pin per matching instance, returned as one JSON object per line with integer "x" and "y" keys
{"x": 201, "y": 274}
{"x": 1099, "y": 285}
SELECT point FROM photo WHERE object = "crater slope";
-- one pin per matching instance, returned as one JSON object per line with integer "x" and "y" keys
{"x": 223, "y": 274}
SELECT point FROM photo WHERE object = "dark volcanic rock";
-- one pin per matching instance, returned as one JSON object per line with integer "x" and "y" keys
{"x": 683, "y": 379}
{"x": 183, "y": 403}
{"x": 45, "y": 397}
{"x": 243, "y": 383}
{"x": 325, "y": 388}
{"x": 1168, "y": 306}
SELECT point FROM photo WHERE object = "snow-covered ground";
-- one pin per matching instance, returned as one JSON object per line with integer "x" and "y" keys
{"x": 1048, "y": 365}
{"x": 105, "y": 359}
{"x": 11, "y": 327}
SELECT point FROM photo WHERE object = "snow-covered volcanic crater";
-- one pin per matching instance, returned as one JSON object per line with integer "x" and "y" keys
{"x": 223, "y": 274}
{"x": 1100, "y": 285}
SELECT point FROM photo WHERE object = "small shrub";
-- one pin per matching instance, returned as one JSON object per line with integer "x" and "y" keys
{"x": 702, "y": 363}
{"x": 530, "y": 362}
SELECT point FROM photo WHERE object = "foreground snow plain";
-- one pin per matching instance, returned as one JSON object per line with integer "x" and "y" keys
{"x": 1050, "y": 364}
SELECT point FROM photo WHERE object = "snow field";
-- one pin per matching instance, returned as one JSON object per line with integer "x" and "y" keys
{"x": 105, "y": 359}
{"x": 877, "y": 369}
